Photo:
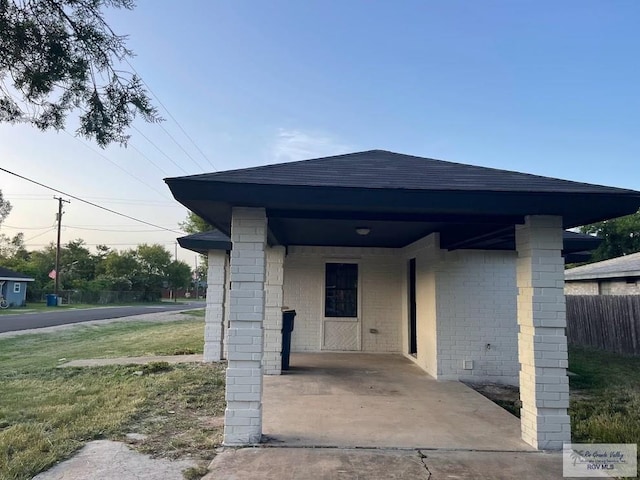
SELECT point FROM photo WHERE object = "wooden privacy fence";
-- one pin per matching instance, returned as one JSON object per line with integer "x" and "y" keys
{"x": 608, "y": 322}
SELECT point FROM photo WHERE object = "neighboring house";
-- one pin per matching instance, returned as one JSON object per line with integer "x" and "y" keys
{"x": 13, "y": 287}
{"x": 616, "y": 276}
{"x": 458, "y": 267}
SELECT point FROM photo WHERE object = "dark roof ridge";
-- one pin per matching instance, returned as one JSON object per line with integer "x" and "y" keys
{"x": 466, "y": 177}
{"x": 294, "y": 162}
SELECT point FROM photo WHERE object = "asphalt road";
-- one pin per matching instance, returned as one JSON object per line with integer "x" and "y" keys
{"x": 25, "y": 321}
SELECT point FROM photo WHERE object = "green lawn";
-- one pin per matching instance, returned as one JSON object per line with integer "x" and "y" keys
{"x": 47, "y": 413}
{"x": 605, "y": 397}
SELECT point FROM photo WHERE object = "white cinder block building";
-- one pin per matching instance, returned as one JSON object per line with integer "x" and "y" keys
{"x": 460, "y": 268}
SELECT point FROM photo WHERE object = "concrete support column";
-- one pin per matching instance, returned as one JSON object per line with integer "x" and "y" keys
{"x": 272, "y": 363}
{"x": 214, "y": 313}
{"x": 243, "y": 416}
{"x": 542, "y": 343}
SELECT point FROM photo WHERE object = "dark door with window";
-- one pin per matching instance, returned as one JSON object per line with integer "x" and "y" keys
{"x": 413, "y": 335}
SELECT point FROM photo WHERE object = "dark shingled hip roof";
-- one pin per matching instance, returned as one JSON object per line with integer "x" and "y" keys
{"x": 389, "y": 170}
{"x": 400, "y": 198}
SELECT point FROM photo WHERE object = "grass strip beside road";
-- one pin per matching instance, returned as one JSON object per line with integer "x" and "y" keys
{"x": 40, "y": 307}
{"x": 47, "y": 413}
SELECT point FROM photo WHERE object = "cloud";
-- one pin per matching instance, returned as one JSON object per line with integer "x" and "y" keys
{"x": 291, "y": 145}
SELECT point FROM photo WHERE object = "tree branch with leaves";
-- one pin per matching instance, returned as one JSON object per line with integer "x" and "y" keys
{"x": 620, "y": 236}
{"x": 58, "y": 56}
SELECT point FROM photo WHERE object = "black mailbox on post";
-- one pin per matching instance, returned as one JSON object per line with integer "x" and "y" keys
{"x": 287, "y": 327}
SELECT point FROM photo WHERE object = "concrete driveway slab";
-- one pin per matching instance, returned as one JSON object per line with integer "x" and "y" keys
{"x": 385, "y": 401}
{"x": 107, "y": 460}
{"x": 317, "y": 464}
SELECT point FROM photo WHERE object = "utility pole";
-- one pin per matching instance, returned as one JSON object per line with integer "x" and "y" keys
{"x": 59, "y": 219}
{"x": 175, "y": 255}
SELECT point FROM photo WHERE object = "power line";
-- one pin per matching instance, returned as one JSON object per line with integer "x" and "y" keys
{"x": 115, "y": 202}
{"x": 43, "y": 196}
{"x": 39, "y": 235}
{"x": 172, "y": 117}
{"x": 110, "y": 230}
{"x": 137, "y": 179}
{"x": 181, "y": 147}
{"x": 159, "y": 149}
{"x": 110, "y": 225}
{"x": 90, "y": 203}
{"x": 83, "y": 227}
{"x": 26, "y": 228}
{"x": 164, "y": 172}
{"x": 109, "y": 245}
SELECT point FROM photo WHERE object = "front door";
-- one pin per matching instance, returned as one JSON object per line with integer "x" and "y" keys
{"x": 341, "y": 321}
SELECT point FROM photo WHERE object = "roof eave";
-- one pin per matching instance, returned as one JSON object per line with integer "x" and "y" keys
{"x": 597, "y": 276}
{"x": 576, "y": 208}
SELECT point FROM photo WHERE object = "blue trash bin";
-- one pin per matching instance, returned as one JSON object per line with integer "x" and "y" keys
{"x": 52, "y": 300}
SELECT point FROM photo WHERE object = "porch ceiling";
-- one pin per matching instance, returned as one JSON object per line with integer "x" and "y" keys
{"x": 492, "y": 230}
{"x": 401, "y": 198}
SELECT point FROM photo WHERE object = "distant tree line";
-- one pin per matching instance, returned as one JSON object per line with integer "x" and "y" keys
{"x": 620, "y": 236}
{"x": 145, "y": 269}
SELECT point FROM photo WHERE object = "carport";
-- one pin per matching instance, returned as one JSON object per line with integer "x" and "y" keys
{"x": 458, "y": 268}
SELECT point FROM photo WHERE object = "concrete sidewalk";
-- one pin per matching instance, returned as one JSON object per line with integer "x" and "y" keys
{"x": 106, "y": 460}
{"x": 380, "y": 464}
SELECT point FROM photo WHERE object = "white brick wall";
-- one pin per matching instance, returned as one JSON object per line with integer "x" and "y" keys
{"x": 272, "y": 361}
{"x": 303, "y": 286}
{"x": 380, "y": 272}
{"x": 466, "y": 300}
{"x": 381, "y": 282}
{"x": 476, "y": 308}
{"x": 472, "y": 294}
{"x": 214, "y": 330}
{"x": 227, "y": 309}
{"x": 427, "y": 253}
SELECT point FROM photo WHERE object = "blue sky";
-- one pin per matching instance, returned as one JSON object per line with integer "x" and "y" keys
{"x": 543, "y": 87}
